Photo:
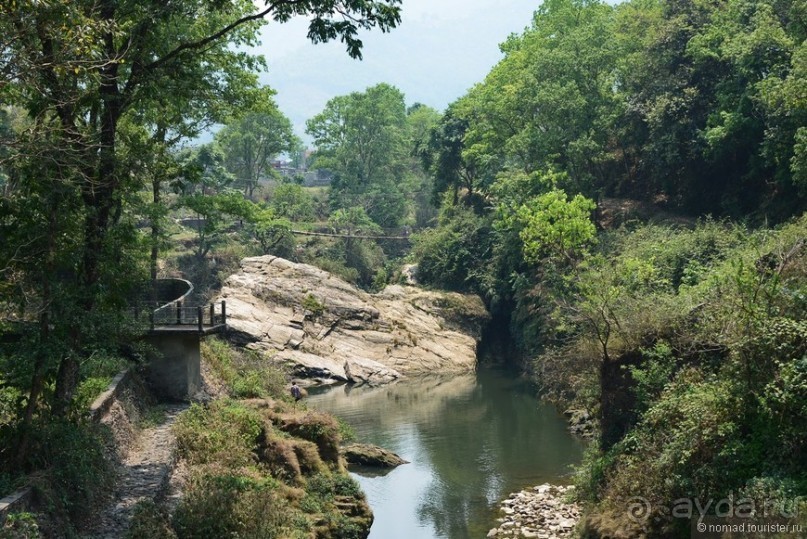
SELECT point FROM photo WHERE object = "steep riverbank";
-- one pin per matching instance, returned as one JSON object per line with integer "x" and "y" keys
{"x": 324, "y": 327}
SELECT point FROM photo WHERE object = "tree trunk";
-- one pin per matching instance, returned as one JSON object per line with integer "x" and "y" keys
{"x": 37, "y": 383}
{"x": 156, "y": 229}
{"x": 66, "y": 380}
{"x": 156, "y": 193}
{"x": 99, "y": 194}
{"x": 38, "y": 377}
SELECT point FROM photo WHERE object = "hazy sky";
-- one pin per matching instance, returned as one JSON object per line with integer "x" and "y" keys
{"x": 440, "y": 50}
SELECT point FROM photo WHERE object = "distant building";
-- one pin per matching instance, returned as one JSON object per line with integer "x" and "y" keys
{"x": 285, "y": 169}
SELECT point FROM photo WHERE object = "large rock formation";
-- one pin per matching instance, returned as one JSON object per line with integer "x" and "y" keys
{"x": 327, "y": 328}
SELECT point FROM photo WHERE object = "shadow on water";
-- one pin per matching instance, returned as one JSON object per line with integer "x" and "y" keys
{"x": 471, "y": 439}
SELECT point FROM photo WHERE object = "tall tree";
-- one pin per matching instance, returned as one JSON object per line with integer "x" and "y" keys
{"x": 82, "y": 70}
{"x": 421, "y": 120}
{"x": 444, "y": 156}
{"x": 251, "y": 141}
{"x": 545, "y": 105}
{"x": 362, "y": 139}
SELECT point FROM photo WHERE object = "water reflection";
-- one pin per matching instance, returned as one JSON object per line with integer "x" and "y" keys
{"x": 471, "y": 440}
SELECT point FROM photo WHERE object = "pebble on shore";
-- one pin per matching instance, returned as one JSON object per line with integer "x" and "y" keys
{"x": 540, "y": 512}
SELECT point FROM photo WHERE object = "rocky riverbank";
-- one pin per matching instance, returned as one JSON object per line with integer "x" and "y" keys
{"x": 326, "y": 328}
{"x": 540, "y": 512}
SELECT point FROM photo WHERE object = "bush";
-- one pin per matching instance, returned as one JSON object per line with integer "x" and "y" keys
{"x": 88, "y": 390}
{"x": 453, "y": 256}
{"x": 653, "y": 375}
{"x": 310, "y": 303}
{"x": 96, "y": 373}
{"x": 244, "y": 372}
{"x": 293, "y": 202}
{"x": 346, "y": 432}
{"x": 20, "y": 526}
{"x": 226, "y": 505}
{"x": 225, "y": 432}
{"x": 317, "y": 427}
{"x": 79, "y": 474}
{"x": 246, "y": 476}
{"x": 9, "y": 400}
{"x": 718, "y": 316}
{"x": 323, "y": 491}
{"x": 336, "y": 267}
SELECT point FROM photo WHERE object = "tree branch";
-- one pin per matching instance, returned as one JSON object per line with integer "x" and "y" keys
{"x": 209, "y": 39}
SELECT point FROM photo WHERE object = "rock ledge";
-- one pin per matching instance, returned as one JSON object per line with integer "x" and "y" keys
{"x": 327, "y": 328}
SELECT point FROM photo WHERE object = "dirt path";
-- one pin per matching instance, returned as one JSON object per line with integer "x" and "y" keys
{"x": 143, "y": 475}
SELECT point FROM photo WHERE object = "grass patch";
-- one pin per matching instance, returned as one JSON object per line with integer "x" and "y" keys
{"x": 250, "y": 478}
{"x": 150, "y": 522}
{"x": 230, "y": 505}
{"x": 224, "y": 432}
{"x": 244, "y": 373}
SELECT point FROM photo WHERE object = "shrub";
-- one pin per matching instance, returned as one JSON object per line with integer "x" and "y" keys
{"x": 312, "y": 304}
{"x": 225, "y": 432}
{"x": 20, "y": 526}
{"x": 293, "y": 202}
{"x": 79, "y": 474}
{"x": 150, "y": 522}
{"x": 336, "y": 267}
{"x": 227, "y": 505}
{"x": 88, "y": 390}
{"x": 653, "y": 375}
{"x": 317, "y": 427}
{"x": 453, "y": 255}
{"x": 346, "y": 432}
{"x": 9, "y": 399}
{"x": 96, "y": 373}
{"x": 326, "y": 492}
{"x": 245, "y": 373}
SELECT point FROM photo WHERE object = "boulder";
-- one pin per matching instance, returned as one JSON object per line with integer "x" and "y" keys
{"x": 324, "y": 327}
{"x": 371, "y": 455}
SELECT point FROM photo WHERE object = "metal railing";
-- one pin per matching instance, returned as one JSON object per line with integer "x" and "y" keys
{"x": 178, "y": 314}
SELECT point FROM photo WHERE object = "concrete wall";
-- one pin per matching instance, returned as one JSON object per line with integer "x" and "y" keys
{"x": 174, "y": 371}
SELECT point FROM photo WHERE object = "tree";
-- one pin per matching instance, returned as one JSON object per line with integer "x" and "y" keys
{"x": 88, "y": 75}
{"x": 444, "y": 157}
{"x": 554, "y": 225}
{"x": 362, "y": 255}
{"x": 546, "y": 104}
{"x": 291, "y": 201}
{"x": 272, "y": 233}
{"x": 250, "y": 142}
{"x": 362, "y": 139}
{"x": 215, "y": 214}
{"x": 421, "y": 120}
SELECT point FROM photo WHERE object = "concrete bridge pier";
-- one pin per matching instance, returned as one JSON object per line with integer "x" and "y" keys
{"x": 174, "y": 372}
{"x": 176, "y": 330}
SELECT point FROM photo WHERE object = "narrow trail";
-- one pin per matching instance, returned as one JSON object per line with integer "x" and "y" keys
{"x": 143, "y": 475}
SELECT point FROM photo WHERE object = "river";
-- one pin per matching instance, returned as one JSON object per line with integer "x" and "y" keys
{"x": 471, "y": 440}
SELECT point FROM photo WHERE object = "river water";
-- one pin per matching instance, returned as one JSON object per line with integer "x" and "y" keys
{"x": 470, "y": 439}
